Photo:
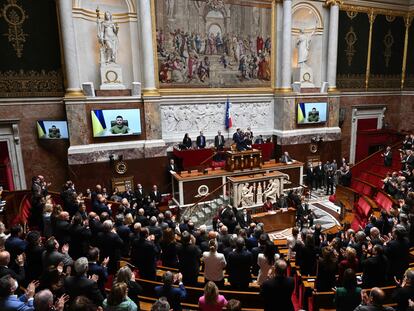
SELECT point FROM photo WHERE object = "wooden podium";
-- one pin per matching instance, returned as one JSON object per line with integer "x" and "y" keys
{"x": 241, "y": 160}
{"x": 278, "y": 220}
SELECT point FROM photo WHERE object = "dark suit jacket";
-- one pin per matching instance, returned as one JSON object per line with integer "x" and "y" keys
{"x": 375, "y": 271}
{"x": 173, "y": 295}
{"x": 155, "y": 197}
{"x": 111, "y": 246}
{"x": 15, "y": 246}
{"x": 100, "y": 271}
{"x": 219, "y": 145}
{"x": 19, "y": 276}
{"x": 201, "y": 141}
{"x": 80, "y": 238}
{"x": 82, "y": 286}
{"x": 238, "y": 268}
{"x": 34, "y": 266}
{"x": 277, "y": 294}
{"x": 189, "y": 262}
{"x": 401, "y": 296}
{"x": 388, "y": 158}
{"x": 144, "y": 255}
{"x": 244, "y": 223}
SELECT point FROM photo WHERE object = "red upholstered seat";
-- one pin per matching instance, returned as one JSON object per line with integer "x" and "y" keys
{"x": 383, "y": 200}
{"x": 367, "y": 190}
{"x": 363, "y": 209}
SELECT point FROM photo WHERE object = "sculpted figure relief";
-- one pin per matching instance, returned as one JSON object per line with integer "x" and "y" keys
{"x": 303, "y": 44}
{"x": 206, "y": 116}
{"x": 107, "y": 37}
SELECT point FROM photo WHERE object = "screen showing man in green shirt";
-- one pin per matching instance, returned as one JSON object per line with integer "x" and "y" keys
{"x": 313, "y": 116}
{"x": 54, "y": 132}
{"x": 119, "y": 127}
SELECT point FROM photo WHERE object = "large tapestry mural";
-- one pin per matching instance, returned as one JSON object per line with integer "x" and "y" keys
{"x": 214, "y": 43}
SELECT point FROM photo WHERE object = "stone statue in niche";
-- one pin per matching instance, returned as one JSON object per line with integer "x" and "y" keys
{"x": 303, "y": 73}
{"x": 111, "y": 72}
{"x": 303, "y": 44}
{"x": 107, "y": 37}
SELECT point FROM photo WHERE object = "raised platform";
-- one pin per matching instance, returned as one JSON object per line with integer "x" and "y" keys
{"x": 186, "y": 185}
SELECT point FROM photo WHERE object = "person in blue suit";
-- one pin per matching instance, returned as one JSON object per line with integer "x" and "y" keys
{"x": 173, "y": 294}
{"x": 9, "y": 301}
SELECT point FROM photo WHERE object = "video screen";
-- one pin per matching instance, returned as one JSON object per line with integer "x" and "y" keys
{"x": 52, "y": 129}
{"x": 311, "y": 113}
{"x": 119, "y": 122}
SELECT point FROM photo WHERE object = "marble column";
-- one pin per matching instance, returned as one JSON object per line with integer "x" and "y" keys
{"x": 69, "y": 48}
{"x": 147, "y": 46}
{"x": 333, "y": 43}
{"x": 287, "y": 46}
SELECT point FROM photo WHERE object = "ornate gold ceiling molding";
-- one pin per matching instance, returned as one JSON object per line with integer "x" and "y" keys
{"x": 366, "y": 9}
{"x": 91, "y": 16}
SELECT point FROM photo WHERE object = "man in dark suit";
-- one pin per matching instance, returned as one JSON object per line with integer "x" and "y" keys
{"x": 17, "y": 274}
{"x": 15, "y": 245}
{"x": 239, "y": 263}
{"x": 171, "y": 166}
{"x": 52, "y": 257}
{"x": 155, "y": 195}
{"x": 277, "y": 292}
{"x": 61, "y": 232}
{"x": 310, "y": 176}
{"x": 110, "y": 244}
{"x": 79, "y": 284}
{"x": 144, "y": 255}
{"x": 139, "y": 195}
{"x": 244, "y": 219}
{"x": 387, "y": 155}
{"x": 319, "y": 175}
{"x": 80, "y": 237}
{"x": 375, "y": 268}
{"x": 174, "y": 295}
{"x": 201, "y": 141}
{"x": 189, "y": 259}
{"x": 219, "y": 141}
{"x": 405, "y": 291}
{"x": 285, "y": 158}
{"x": 100, "y": 270}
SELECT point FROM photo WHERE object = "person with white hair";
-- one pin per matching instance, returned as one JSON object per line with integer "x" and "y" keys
{"x": 79, "y": 284}
{"x": 110, "y": 244}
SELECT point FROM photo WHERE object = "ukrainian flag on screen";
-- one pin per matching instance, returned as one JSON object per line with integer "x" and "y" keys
{"x": 41, "y": 131}
{"x": 98, "y": 122}
{"x": 301, "y": 112}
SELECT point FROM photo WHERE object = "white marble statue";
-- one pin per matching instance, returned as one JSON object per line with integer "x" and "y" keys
{"x": 107, "y": 37}
{"x": 272, "y": 190}
{"x": 259, "y": 199}
{"x": 303, "y": 44}
{"x": 247, "y": 195}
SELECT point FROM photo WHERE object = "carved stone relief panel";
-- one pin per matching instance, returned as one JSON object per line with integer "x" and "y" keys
{"x": 178, "y": 119}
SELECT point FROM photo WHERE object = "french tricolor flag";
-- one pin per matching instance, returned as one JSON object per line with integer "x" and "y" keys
{"x": 229, "y": 122}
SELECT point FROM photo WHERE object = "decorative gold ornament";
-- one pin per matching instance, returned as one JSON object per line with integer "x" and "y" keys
{"x": 333, "y": 2}
{"x": 313, "y": 148}
{"x": 351, "y": 39}
{"x": 388, "y": 42}
{"x": 15, "y": 15}
{"x": 390, "y": 18}
{"x": 121, "y": 167}
{"x": 371, "y": 18}
{"x": 31, "y": 83}
{"x": 351, "y": 14}
{"x": 111, "y": 77}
